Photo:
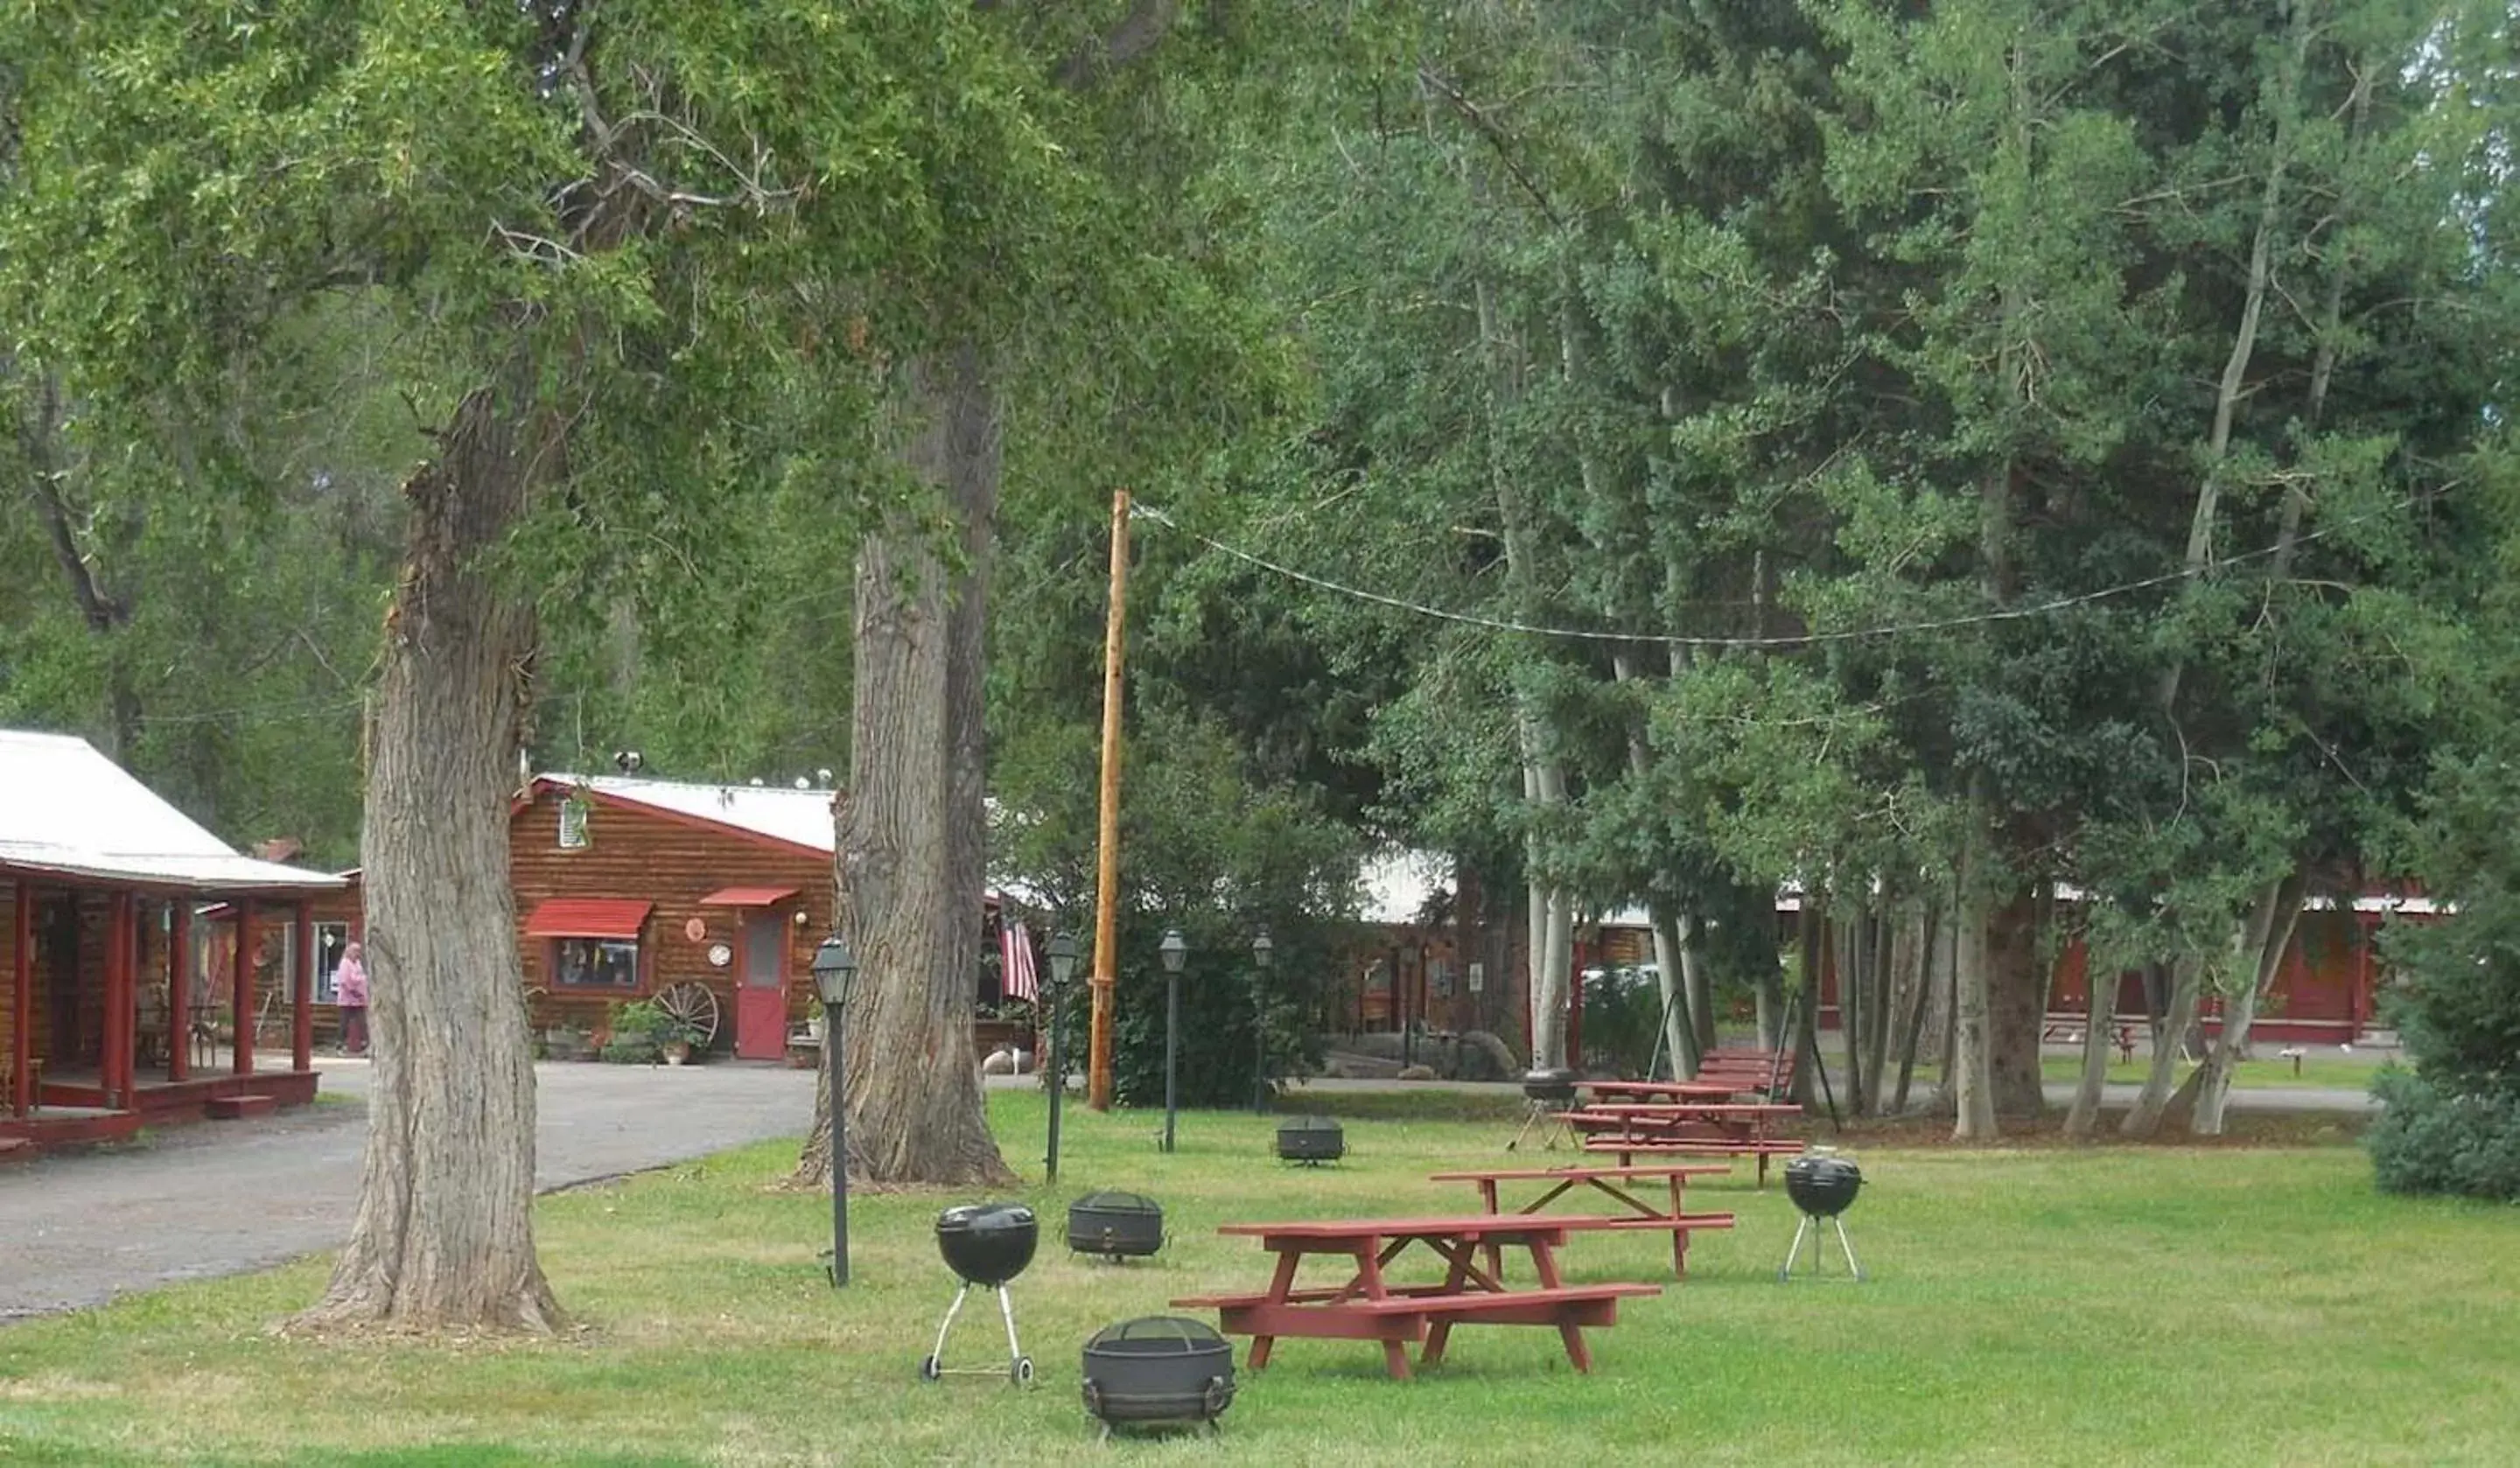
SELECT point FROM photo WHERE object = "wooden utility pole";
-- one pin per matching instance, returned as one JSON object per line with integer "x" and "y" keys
{"x": 1107, "y": 886}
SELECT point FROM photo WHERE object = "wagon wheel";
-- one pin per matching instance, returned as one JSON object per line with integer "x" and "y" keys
{"x": 694, "y": 1006}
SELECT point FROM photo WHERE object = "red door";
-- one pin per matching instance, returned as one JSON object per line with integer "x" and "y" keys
{"x": 761, "y": 988}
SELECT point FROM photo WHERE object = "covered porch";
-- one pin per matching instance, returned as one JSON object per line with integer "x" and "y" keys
{"x": 116, "y": 1012}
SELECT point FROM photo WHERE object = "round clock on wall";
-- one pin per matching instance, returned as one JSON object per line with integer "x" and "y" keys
{"x": 719, "y": 955}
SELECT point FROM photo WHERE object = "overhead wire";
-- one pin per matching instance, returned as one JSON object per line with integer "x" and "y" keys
{"x": 1140, "y": 509}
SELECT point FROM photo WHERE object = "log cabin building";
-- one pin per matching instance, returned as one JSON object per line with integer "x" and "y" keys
{"x": 109, "y": 1017}
{"x": 629, "y": 889}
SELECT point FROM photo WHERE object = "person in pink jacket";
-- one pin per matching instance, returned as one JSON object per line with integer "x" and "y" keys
{"x": 350, "y": 992}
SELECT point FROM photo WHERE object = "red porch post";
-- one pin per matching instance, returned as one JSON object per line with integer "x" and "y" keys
{"x": 121, "y": 1011}
{"x": 302, "y": 1029}
{"x": 22, "y": 1067}
{"x": 179, "y": 991}
{"x": 242, "y": 987}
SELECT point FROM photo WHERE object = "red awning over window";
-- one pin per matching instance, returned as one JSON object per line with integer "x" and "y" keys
{"x": 588, "y": 917}
{"x": 747, "y": 897}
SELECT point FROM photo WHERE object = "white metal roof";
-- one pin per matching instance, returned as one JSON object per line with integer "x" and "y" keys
{"x": 783, "y": 813}
{"x": 67, "y": 811}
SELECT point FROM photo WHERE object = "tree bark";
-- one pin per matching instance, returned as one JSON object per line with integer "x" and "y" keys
{"x": 1671, "y": 985}
{"x": 910, "y": 828}
{"x": 2259, "y": 951}
{"x": 444, "y": 1234}
{"x": 2144, "y": 1119}
{"x": 1972, "y": 1075}
{"x": 2017, "y": 1008}
{"x": 2099, "y": 1016}
{"x": 1928, "y": 948}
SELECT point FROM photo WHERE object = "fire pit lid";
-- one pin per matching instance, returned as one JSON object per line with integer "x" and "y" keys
{"x": 1157, "y": 1335}
{"x": 1113, "y": 1200}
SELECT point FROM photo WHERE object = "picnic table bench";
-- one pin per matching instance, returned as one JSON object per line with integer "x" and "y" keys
{"x": 1614, "y": 1182}
{"x": 1765, "y": 1073}
{"x": 1614, "y": 1092}
{"x": 1369, "y": 1308}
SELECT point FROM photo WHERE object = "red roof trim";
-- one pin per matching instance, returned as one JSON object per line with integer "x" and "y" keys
{"x": 747, "y": 897}
{"x": 589, "y": 918}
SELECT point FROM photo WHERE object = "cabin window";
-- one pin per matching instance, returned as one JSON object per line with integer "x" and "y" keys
{"x": 572, "y": 824}
{"x": 331, "y": 938}
{"x": 595, "y": 963}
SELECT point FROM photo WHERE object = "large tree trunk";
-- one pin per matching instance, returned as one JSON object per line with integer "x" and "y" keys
{"x": 444, "y": 1236}
{"x": 2257, "y": 957}
{"x": 2145, "y": 1118}
{"x": 911, "y": 829}
{"x": 2017, "y": 1008}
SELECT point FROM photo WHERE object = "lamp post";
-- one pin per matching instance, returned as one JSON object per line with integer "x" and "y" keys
{"x": 1063, "y": 967}
{"x": 1262, "y": 950}
{"x": 834, "y": 967}
{"x": 1175, "y": 950}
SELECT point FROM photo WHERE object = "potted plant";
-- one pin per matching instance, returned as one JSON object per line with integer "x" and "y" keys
{"x": 639, "y": 1033}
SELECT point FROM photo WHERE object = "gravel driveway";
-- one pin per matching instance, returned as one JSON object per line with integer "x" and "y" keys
{"x": 224, "y": 1197}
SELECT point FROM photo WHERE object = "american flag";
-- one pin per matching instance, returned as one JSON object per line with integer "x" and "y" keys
{"x": 1014, "y": 954}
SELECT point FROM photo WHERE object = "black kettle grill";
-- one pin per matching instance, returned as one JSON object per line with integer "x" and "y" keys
{"x": 1546, "y": 1092}
{"x": 985, "y": 1245}
{"x": 1823, "y": 1186}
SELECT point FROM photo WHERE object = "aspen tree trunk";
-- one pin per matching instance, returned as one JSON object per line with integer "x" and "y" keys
{"x": 1671, "y": 930}
{"x": 1543, "y": 776}
{"x": 910, "y": 826}
{"x": 2258, "y": 959}
{"x": 1972, "y": 1075}
{"x": 2144, "y": 1119}
{"x": 1846, "y": 955}
{"x": 2099, "y": 1016}
{"x": 1926, "y": 945}
{"x": 444, "y": 1236}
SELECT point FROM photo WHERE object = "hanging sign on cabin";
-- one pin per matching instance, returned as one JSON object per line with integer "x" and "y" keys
{"x": 696, "y": 929}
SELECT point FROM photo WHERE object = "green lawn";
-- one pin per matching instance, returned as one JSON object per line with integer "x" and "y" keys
{"x": 2037, "y": 1306}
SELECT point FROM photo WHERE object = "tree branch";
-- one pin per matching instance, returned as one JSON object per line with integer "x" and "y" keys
{"x": 102, "y": 612}
{"x": 1486, "y": 127}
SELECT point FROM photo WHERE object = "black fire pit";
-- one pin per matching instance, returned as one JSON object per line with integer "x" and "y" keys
{"x": 1823, "y": 1186}
{"x": 1159, "y": 1370}
{"x": 1311, "y": 1141}
{"x": 1115, "y": 1225}
{"x": 985, "y": 1245}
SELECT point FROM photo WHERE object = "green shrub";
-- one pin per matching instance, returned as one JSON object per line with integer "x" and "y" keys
{"x": 2431, "y": 1141}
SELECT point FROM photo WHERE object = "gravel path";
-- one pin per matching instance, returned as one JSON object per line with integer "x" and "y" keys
{"x": 225, "y": 1197}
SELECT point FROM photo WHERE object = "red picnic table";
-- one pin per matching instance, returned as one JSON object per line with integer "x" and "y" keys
{"x": 1369, "y": 1308}
{"x": 1615, "y": 1182}
{"x": 1738, "y": 1129}
{"x": 1611, "y": 1092}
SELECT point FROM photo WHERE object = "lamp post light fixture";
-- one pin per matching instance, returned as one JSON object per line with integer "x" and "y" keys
{"x": 1262, "y": 950}
{"x": 834, "y": 967}
{"x": 1063, "y": 967}
{"x": 1174, "y": 953}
